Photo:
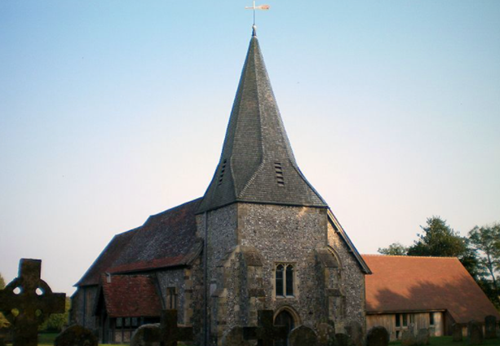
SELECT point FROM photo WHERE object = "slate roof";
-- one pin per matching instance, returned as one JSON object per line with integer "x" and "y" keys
{"x": 257, "y": 163}
{"x": 165, "y": 240}
{"x": 131, "y": 296}
{"x": 407, "y": 283}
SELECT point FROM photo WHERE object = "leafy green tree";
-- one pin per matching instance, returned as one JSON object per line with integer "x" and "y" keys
{"x": 2, "y": 282}
{"x": 439, "y": 240}
{"x": 395, "y": 249}
{"x": 486, "y": 241}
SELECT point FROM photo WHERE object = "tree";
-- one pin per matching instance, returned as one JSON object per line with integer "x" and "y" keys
{"x": 486, "y": 241}
{"x": 395, "y": 249}
{"x": 440, "y": 240}
{"x": 3, "y": 321}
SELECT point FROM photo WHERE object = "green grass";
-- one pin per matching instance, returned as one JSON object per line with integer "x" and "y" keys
{"x": 448, "y": 341}
{"x": 46, "y": 339}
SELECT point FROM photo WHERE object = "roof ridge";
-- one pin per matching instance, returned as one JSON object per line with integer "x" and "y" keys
{"x": 408, "y": 256}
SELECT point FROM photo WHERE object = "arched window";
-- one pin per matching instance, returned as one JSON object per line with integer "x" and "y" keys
{"x": 284, "y": 280}
{"x": 279, "y": 280}
{"x": 289, "y": 280}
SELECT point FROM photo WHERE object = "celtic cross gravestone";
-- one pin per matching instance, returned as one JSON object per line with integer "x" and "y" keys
{"x": 28, "y": 301}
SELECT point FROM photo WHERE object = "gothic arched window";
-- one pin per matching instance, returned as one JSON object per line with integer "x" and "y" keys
{"x": 284, "y": 280}
{"x": 279, "y": 280}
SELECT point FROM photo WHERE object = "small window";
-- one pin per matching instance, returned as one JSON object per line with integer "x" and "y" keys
{"x": 431, "y": 318}
{"x": 127, "y": 322}
{"x": 412, "y": 318}
{"x": 135, "y": 322}
{"x": 405, "y": 320}
{"x": 119, "y": 322}
{"x": 289, "y": 280}
{"x": 398, "y": 320}
{"x": 279, "y": 280}
{"x": 171, "y": 298}
{"x": 284, "y": 280}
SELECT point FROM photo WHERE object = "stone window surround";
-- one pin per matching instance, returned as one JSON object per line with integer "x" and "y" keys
{"x": 294, "y": 280}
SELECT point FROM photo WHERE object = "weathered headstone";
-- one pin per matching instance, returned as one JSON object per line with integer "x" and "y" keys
{"x": 170, "y": 333}
{"x": 456, "y": 331}
{"x": 326, "y": 335}
{"x": 302, "y": 336}
{"x": 146, "y": 332}
{"x": 377, "y": 336}
{"x": 490, "y": 324}
{"x": 475, "y": 333}
{"x": 408, "y": 338}
{"x": 343, "y": 339}
{"x": 355, "y": 332}
{"x": 34, "y": 301}
{"x": 76, "y": 335}
{"x": 423, "y": 337}
{"x": 266, "y": 332}
{"x": 234, "y": 338}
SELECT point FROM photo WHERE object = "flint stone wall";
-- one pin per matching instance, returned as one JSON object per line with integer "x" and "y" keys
{"x": 239, "y": 286}
{"x": 353, "y": 283}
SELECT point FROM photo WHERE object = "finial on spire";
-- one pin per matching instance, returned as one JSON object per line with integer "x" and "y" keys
{"x": 253, "y": 7}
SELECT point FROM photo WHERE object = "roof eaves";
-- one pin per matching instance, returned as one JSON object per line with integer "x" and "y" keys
{"x": 338, "y": 227}
{"x": 386, "y": 312}
{"x": 81, "y": 282}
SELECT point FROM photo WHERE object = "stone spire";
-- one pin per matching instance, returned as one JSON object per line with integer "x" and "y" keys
{"x": 257, "y": 163}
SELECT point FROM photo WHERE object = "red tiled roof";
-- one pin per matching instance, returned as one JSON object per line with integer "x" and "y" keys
{"x": 165, "y": 240}
{"x": 407, "y": 283}
{"x": 131, "y": 296}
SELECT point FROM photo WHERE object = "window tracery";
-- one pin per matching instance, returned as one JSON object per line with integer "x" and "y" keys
{"x": 284, "y": 279}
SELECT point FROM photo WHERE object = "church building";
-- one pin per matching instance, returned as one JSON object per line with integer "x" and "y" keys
{"x": 260, "y": 238}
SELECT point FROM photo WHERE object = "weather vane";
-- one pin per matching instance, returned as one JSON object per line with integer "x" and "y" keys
{"x": 253, "y": 7}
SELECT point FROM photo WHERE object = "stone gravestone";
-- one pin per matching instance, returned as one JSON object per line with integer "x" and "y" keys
{"x": 234, "y": 338}
{"x": 456, "y": 331}
{"x": 302, "y": 336}
{"x": 377, "y": 336}
{"x": 343, "y": 339}
{"x": 408, "y": 338}
{"x": 423, "y": 337}
{"x": 34, "y": 301}
{"x": 490, "y": 324}
{"x": 266, "y": 332}
{"x": 76, "y": 335}
{"x": 326, "y": 335}
{"x": 146, "y": 332}
{"x": 475, "y": 333}
{"x": 355, "y": 332}
{"x": 169, "y": 333}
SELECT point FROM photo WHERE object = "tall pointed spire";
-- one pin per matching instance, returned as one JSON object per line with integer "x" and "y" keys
{"x": 257, "y": 164}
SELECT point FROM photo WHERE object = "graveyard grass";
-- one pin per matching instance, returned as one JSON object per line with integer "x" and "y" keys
{"x": 47, "y": 339}
{"x": 448, "y": 341}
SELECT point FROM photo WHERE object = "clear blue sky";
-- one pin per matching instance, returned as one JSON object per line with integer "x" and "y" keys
{"x": 112, "y": 110}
